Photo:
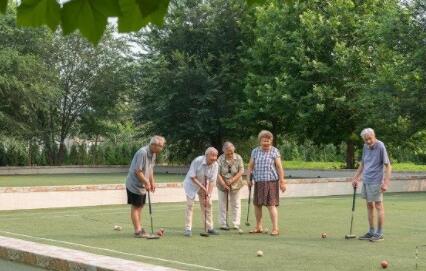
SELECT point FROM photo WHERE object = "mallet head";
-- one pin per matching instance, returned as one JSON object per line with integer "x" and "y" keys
{"x": 151, "y": 236}
{"x": 350, "y": 236}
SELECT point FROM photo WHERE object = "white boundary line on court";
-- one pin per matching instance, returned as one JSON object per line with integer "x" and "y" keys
{"x": 93, "y": 209}
{"x": 113, "y": 251}
{"x": 73, "y": 214}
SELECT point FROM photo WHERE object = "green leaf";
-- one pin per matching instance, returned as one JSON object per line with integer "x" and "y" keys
{"x": 3, "y": 6}
{"x": 109, "y": 8}
{"x": 131, "y": 18}
{"x": 138, "y": 13}
{"x": 261, "y": 2}
{"x": 154, "y": 11}
{"x": 88, "y": 16}
{"x": 255, "y": 2}
{"x": 39, "y": 12}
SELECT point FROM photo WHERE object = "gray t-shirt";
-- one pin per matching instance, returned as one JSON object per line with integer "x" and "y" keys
{"x": 373, "y": 159}
{"x": 143, "y": 160}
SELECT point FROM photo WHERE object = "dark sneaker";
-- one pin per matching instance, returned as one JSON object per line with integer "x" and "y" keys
{"x": 187, "y": 233}
{"x": 377, "y": 238}
{"x": 224, "y": 228}
{"x": 366, "y": 236}
{"x": 212, "y": 232}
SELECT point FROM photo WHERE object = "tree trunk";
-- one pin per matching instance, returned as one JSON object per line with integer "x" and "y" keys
{"x": 30, "y": 158}
{"x": 350, "y": 154}
{"x": 50, "y": 153}
{"x": 95, "y": 154}
{"x": 217, "y": 143}
{"x": 275, "y": 140}
{"x": 217, "y": 140}
{"x": 274, "y": 132}
{"x": 61, "y": 152}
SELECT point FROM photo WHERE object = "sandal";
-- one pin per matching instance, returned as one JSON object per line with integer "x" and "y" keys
{"x": 275, "y": 233}
{"x": 256, "y": 231}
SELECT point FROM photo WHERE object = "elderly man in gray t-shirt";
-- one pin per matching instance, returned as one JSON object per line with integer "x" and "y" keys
{"x": 374, "y": 161}
{"x": 141, "y": 179}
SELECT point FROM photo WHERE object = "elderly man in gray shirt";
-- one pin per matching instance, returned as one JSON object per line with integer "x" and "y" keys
{"x": 374, "y": 162}
{"x": 141, "y": 179}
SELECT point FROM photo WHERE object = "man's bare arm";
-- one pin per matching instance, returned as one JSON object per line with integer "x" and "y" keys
{"x": 141, "y": 177}
{"x": 152, "y": 181}
{"x": 197, "y": 182}
{"x": 357, "y": 178}
{"x": 387, "y": 177}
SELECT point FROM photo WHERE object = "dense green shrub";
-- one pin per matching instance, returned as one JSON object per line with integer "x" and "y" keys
{"x": 20, "y": 153}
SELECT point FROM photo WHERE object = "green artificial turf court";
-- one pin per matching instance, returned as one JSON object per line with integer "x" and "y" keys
{"x": 76, "y": 179}
{"x": 14, "y": 266}
{"x": 300, "y": 246}
{"x": 114, "y": 178}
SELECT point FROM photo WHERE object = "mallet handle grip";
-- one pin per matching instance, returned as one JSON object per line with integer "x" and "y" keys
{"x": 353, "y": 200}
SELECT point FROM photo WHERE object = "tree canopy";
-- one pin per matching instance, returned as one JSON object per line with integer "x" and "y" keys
{"x": 90, "y": 17}
{"x": 313, "y": 72}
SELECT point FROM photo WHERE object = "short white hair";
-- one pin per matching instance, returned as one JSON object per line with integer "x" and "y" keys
{"x": 211, "y": 150}
{"x": 228, "y": 144}
{"x": 367, "y": 131}
{"x": 265, "y": 134}
{"x": 157, "y": 140}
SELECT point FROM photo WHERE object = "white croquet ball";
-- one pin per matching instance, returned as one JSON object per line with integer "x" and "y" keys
{"x": 117, "y": 228}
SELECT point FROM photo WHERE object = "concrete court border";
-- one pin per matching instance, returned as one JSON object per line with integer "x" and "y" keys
{"x": 64, "y": 259}
{"x": 16, "y": 198}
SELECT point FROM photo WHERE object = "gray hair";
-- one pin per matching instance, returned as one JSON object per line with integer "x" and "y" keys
{"x": 367, "y": 131}
{"x": 211, "y": 150}
{"x": 265, "y": 134}
{"x": 157, "y": 140}
{"x": 228, "y": 144}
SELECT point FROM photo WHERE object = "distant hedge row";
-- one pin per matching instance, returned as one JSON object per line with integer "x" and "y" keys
{"x": 19, "y": 154}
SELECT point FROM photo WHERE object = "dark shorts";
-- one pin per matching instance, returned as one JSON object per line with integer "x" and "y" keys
{"x": 266, "y": 193}
{"x": 135, "y": 199}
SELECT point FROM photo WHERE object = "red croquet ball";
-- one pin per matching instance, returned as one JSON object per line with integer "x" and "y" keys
{"x": 384, "y": 264}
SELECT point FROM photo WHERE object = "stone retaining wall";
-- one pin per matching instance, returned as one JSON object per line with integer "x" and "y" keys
{"x": 170, "y": 169}
{"x": 64, "y": 259}
{"x": 12, "y": 198}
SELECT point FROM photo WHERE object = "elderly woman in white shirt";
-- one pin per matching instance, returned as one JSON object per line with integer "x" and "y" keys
{"x": 200, "y": 180}
{"x": 229, "y": 183}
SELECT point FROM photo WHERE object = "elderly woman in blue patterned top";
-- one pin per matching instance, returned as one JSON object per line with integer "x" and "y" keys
{"x": 268, "y": 176}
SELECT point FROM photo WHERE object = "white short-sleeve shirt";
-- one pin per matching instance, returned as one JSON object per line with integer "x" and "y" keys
{"x": 203, "y": 172}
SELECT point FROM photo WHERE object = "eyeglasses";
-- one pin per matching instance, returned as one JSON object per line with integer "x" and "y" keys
{"x": 229, "y": 169}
